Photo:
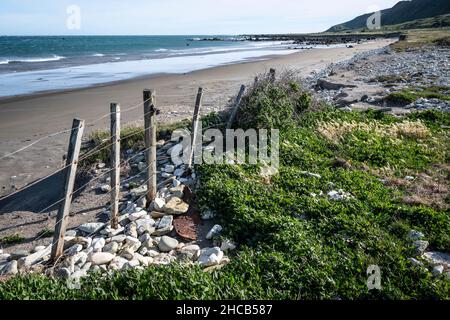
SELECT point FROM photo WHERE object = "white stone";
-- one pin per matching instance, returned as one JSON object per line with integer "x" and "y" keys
{"x": 179, "y": 172}
{"x": 210, "y": 256}
{"x": 137, "y": 215}
{"x": 99, "y": 258}
{"x": 80, "y": 258}
{"x": 119, "y": 238}
{"x": 39, "y": 248}
{"x": 105, "y": 188}
{"x": 215, "y": 231}
{"x": 111, "y": 247}
{"x": 111, "y": 232}
{"x": 91, "y": 227}
{"x": 438, "y": 258}
{"x": 227, "y": 245}
{"x": 158, "y": 204}
{"x": 438, "y": 270}
{"x": 11, "y": 268}
{"x": 176, "y": 183}
{"x": 117, "y": 263}
{"x": 169, "y": 168}
{"x": 98, "y": 244}
{"x": 167, "y": 244}
{"x": 73, "y": 250}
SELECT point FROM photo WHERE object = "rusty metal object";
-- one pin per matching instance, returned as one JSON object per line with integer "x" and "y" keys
{"x": 186, "y": 227}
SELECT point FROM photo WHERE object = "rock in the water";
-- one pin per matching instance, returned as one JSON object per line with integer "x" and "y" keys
{"x": 99, "y": 258}
{"x": 176, "y": 206}
{"x": 210, "y": 256}
{"x": 91, "y": 227}
{"x": 215, "y": 231}
{"x": 167, "y": 244}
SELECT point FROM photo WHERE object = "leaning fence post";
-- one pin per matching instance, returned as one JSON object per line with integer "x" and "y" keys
{"x": 150, "y": 142}
{"x": 195, "y": 118}
{"x": 235, "y": 107}
{"x": 272, "y": 75}
{"x": 63, "y": 211}
{"x": 115, "y": 164}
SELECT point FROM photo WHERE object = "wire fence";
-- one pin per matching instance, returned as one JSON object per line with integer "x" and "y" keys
{"x": 104, "y": 174}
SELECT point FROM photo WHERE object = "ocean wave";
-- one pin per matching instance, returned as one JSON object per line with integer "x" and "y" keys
{"x": 31, "y": 60}
{"x": 161, "y": 50}
{"x": 98, "y": 55}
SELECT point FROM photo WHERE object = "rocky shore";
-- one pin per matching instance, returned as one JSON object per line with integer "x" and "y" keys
{"x": 369, "y": 78}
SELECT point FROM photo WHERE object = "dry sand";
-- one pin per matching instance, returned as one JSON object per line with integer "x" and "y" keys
{"x": 26, "y": 119}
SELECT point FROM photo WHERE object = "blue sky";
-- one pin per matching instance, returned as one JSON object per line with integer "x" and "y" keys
{"x": 141, "y": 17}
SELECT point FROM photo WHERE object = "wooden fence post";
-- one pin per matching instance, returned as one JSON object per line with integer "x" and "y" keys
{"x": 63, "y": 211}
{"x": 272, "y": 75}
{"x": 115, "y": 164}
{"x": 195, "y": 118}
{"x": 150, "y": 142}
{"x": 235, "y": 107}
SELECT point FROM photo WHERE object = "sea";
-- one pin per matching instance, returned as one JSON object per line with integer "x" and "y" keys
{"x": 32, "y": 64}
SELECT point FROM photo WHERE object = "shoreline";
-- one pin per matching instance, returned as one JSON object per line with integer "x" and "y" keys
{"x": 28, "y": 118}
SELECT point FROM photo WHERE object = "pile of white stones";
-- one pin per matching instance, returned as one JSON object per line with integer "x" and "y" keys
{"x": 143, "y": 237}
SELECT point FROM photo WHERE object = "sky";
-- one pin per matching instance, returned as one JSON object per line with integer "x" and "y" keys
{"x": 178, "y": 17}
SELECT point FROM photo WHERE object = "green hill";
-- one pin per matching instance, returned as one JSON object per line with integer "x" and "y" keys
{"x": 402, "y": 12}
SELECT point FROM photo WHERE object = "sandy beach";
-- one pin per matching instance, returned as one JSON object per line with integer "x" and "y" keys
{"x": 29, "y": 118}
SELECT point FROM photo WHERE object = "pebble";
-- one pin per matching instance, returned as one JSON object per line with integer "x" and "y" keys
{"x": 167, "y": 244}
{"x": 158, "y": 204}
{"x": 227, "y": 245}
{"x": 63, "y": 273}
{"x": 438, "y": 270}
{"x": 119, "y": 238}
{"x": 176, "y": 206}
{"x": 91, "y": 227}
{"x": 420, "y": 246}
{"x": 99, "y": 258}
{"x": 98, "y": 244}
{"x": 169, "y": 168}
{"x": 210, "y": 257}
{"x": 10, "y": 268}
{"x": 415, "y": 235}
{"x": 105, "y": 188}
{"x": 215, "y": 231}
{"x": 137, "y": 215}
{"x": 111, "y": 247}
{"x": 73, "y": 250}
{"x": 71, "y": 233}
